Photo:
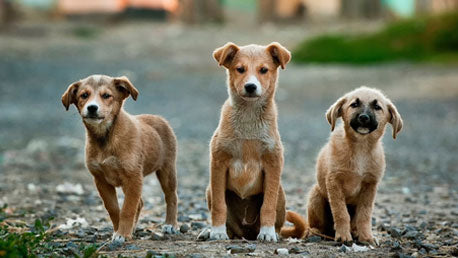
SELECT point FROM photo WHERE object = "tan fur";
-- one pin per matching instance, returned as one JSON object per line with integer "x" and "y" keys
{"x": 121, "y": 149}
{"x": 246, "y": 152}
{"x": 349, "y": 168}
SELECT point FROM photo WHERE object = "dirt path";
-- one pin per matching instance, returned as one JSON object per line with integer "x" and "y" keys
{"x": 42, "y": 145}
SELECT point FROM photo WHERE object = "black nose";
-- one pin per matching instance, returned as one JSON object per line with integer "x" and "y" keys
{"x": 250, "y": 87}
{"x": 363, "y": 118}
{"x": 92, "y": 108}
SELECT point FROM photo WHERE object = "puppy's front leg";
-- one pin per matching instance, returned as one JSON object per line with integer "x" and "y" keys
{"x": 108, "y": 194}
{"x": 363, "y": 220}
{"x": 132, "y": 189}
{"x": 338, "y": 208}
{"x": 272, "y": 165}
{"x": 218, "y": 173}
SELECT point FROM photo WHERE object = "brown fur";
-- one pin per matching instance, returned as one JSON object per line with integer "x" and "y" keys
{"x": 121, "y": 149}
{"x": 349, "y": 168}
{"x": 246, "y": 152}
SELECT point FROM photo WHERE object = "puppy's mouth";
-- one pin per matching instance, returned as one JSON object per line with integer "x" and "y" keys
{"x": 93, "y": 118}
{"x": 365, "y": 128}
{"x": 250, "y": 97}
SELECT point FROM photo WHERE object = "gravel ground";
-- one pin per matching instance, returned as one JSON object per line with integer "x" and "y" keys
{"x": 42, "y": 147}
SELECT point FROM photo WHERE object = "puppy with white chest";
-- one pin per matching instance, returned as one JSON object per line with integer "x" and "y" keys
{"x": 121, "y": 149}
{"x": 245, "y": 195}
{"x": 350, "y": 165}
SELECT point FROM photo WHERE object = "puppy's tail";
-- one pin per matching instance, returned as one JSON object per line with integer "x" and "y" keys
{"x": 299, "y": 228}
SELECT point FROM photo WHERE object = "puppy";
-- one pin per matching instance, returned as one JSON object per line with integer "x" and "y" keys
{"x": 245, "y": 196}
{"x": 350, "y": 165}
{"x": 121, "y": 149}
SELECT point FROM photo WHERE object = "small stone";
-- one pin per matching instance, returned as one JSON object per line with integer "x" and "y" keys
{"x": 238, "y": 249}
{"x": 132, "y": 247}
{"x": 428, "y": 246}
{"x": 344, "y": 249}
{"x": 204, "y": 234}
{"x": 183, "y": 218}
{"x": 152, "y": 253}
{"x": 157, "y": 236}
{"x": 197, "y": 225}
{"x": 396, "y": 246}
{"x": 313, "y": 239}
{"x": 282, "y": 251}
{"x": 411, "y": 234}
{"x": 184, "y": 228}
{"x": 395, "y": 232}
{"x": 296, "y": 250}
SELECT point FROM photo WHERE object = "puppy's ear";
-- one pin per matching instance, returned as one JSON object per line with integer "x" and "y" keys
{"x": 334, "y": 112}
{"x": 280, "y": 54}
{"x": 394, "y": 119}
{"x": 225, "y": 54}
{"x": 125, "y": 87}
{"x": 69, "y": 96}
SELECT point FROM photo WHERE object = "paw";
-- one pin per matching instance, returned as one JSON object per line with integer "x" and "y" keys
{"x": 367, "y": 238}
{"x": 117, "y": 239}
{"x": 343, "y": 236}
{"x": 169, "y": 229}
{"x": 267, "y": 234}
{"x": 218, "y": 233}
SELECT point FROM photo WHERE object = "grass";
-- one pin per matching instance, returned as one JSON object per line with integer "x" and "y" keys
{"x": 433, "y": 38}
{"x": 17, "y": 239}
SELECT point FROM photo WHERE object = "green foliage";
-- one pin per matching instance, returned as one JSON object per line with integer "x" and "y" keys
{"x": 418, "y": 39}
{"x": 34, "y": 241}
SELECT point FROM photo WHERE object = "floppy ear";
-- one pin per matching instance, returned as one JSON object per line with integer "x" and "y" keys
{"x": 280, "y": 54}
{"x": 225, "y": 54}
{"x": 395, "y": 119}
{"x": 334, "y": 112}
{"x": 69, "y": 96}
{"x": 126, "y": 87}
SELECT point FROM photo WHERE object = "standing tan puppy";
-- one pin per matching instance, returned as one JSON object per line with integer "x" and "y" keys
{"x": 351, "y": 164}
{"x": 245, "y": 196}
{"x": 121, "y": 149}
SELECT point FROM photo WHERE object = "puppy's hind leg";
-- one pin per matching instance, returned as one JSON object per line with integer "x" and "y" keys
{"x": 317, "y": 212}
{"x": 139, "y": 209}
{"x": 167, "y": 178}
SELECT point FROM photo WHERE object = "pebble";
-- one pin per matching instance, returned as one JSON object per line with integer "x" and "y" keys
{"x": 157, "y": 236}
{"x": 183, "y": 218}
{"x": 411, "y": 234}
{"x": 197, "y": 225}
{"x": 313, "y": 239}
{"x": 238, "y": 249}
{"x": 282, "y": 251}
{"x": 184, "y": 228}
{"x": 395, "y": 232}
{"x": 132, "y": 247}
{"x": 296, "y": 250}
{"x": 152, "y": 253}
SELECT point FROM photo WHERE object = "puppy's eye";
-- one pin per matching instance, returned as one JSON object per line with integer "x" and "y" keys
{"x": 106, "y": 96}
{"x": 84, "y": 95}
{"x": 354, "y": 104}
{"x": 377, "y": 107}
{"x": 240, "y": 69}
{"x": 263, "y": 70}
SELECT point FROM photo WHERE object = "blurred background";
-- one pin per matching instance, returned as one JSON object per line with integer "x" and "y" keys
{"x": 408, "y": 49}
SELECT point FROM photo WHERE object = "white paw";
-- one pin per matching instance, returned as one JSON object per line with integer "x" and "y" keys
{"x": 218, "y": 233}
{"x": 267, "y": 234}
{"x": 118, "y": 239}
{"x": 168, "y": 229}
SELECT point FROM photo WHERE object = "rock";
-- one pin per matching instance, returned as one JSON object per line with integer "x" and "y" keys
{"x": 152, "y": 253}
{"x": 395, "y": 246}
{"x": 296, "y": 250}
{"x": 183, "y": 218}
{"x": 184, "y": 228}
{"x": 282, "y": 251}
{"x": 344, "y": 249}
{"x": 395, "y": 232}
{"x": 413, "y": 234}
{"x": 313, "y": 239}
{"x": 69, "y": 188}
{"x": 428, "y": 246}
{"x": 156, "y": 236}
{"x": 197, "y": 225}
{"x": 114, "y": 245}
{"x": 204, "y": 234}
{"x": 238, "y": 249}
{"x": 132, "y": 247}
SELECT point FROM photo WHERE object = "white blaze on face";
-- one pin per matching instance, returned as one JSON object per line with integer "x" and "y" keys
{"x": 254, "y": 80}
{"x": 91, "y": 103}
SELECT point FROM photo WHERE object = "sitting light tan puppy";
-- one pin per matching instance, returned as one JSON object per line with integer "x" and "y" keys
{"x": 351, "y": 164}
{"x": 121, "y": 149}
{"x": 245, "y": 195}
